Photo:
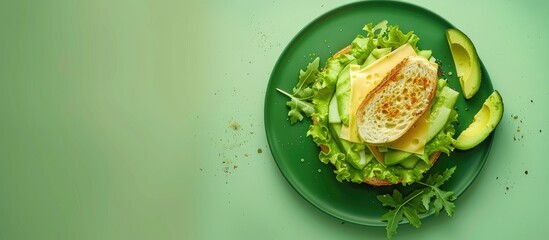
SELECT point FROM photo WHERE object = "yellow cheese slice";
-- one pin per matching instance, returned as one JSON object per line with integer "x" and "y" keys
{"x": 380, "y": 157}
{"x": 363, "y": 82}
{"x": 415, "y": 138}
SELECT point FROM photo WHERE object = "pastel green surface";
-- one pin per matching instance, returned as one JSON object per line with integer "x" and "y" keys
{"x": 144, "y": 120}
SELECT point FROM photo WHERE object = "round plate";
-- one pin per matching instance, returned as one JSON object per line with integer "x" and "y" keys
{"x": 296, "y": 154}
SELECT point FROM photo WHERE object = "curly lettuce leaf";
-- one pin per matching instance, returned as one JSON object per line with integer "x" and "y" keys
{"x": 444, "y": 140}
{"x": 396, "y": 38}
{"x": 361, "y": 47}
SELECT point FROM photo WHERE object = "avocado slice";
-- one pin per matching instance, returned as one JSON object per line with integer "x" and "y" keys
{"x": 466, "y": 61}
{"x": 484, "y": 122}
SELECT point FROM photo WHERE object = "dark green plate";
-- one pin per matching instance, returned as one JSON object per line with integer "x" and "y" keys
{"x": 289, "y": 144}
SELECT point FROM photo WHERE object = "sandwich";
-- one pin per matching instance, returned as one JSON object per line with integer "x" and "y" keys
{"x": 380, "y": 113}
{"x": 396, "y": 107}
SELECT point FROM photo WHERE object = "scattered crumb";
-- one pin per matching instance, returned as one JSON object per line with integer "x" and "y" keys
{"x": 259, "y": 150}
{"x": 201, "y": 169}
{"x": 235, "y": 167}
{"x": 506, "y": 188}
{"x": 234, "y": 125}
{"x": 245, "y": 155}
{"x": 532, "y": 101}
{"x": 526, "y": 172}
{"x": 497, "y": 178}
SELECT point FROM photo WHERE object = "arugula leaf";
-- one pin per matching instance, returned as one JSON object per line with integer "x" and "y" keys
{"x": 302, "y": 92}
{"x": 392, "y": 217}
{"x": 407, "y": 207}
{"x": 412, "y": 215}
{"x": 417, "y": 202}
{"x": 305, "y": 93}
{"x": 388, "y": 200}
{"x": 297, "y": 106}
{"x": 442, "y": 199}
{"x": 306, "y": 78}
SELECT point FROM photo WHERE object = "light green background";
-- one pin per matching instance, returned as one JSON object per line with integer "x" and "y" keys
{"x": 116, "y": 122}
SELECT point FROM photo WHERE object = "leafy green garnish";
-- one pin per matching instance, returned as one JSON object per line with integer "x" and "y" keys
{"x": 302, "y": 92}
{"x": 306, "y": 78}
{"x": 442, "y": 199}
{"x": 418, "y": 202}
{"x": 297, "y": 106}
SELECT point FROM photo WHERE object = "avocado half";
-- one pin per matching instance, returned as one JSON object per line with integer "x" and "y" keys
{"x": 466, "y": 61}
{"x": 484, "y": 122}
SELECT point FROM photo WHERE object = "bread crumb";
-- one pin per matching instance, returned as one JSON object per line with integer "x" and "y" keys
{"x": 234, "y": 125}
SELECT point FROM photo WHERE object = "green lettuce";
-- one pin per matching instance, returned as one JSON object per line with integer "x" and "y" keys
{"x": 323, "y": 89}
{"x": 444, "y": 140}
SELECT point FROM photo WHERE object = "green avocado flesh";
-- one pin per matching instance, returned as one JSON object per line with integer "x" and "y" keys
{"x": 466, "y": 61}
{"x": 484, "y": 122}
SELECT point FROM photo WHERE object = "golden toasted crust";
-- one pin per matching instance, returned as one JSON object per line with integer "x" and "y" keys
{"x": 401, "y": 98}
{"x": 344, "y": 50}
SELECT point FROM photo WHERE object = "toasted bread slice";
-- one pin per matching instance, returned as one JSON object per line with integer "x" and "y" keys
{"x": 398, "y": 101}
